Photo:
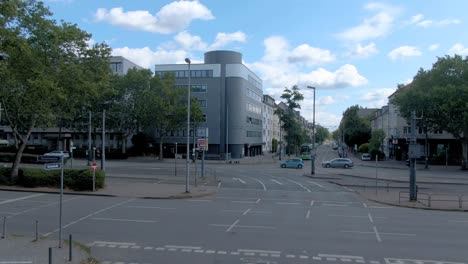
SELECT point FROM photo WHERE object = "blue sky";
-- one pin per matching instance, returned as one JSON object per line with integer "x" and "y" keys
{"x": 353, "y": 52}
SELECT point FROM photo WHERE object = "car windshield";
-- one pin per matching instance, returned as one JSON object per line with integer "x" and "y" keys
{"x": 234, "y": 132}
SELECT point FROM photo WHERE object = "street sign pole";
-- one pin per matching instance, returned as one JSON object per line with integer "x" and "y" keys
{"x": 175, "y": 160}
{"x": 412, "y": 157}
{"x": 61, "y": 196}
{"x": 94, "y": 166}
{"x": 203, "y": 163}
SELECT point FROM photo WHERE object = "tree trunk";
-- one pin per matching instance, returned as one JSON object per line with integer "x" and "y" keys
{"x": 161, "y": 148}
{"x": 19, "y": 154}
{"x": 124, "y": 143}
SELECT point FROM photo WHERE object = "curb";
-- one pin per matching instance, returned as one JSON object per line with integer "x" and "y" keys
{"x": 390, "y": 180}
{"x": 177, "y": 196}
{"x": 321, "y": 177}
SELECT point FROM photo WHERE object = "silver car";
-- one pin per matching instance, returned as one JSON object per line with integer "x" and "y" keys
{"x": 338, "y": 163}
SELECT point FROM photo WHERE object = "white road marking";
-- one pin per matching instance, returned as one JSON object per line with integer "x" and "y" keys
{"x": 394, "y": 261}
{"x": 247, "y": 211}
{"x": 179, "y": 247}
{"x": 259, "y": 181}
{"x": 232, "y": 226}
{"x": 290, "y": 256}
{"x": 340, "y": 205}
{"x": 187, "y": 250}
{"x": 113, "y": 243}
{"x": 277, "y": 182}
{"x": 275, "y": 255}
{"x": 248, "y": 226}
{"x": 397, "y": 234}
{"x": 172, "y": 249}
{"x": 43, "y": 206}
{"x": 377, "y": 235}
{"x": 160, "y": 249}
{"x": 111, "y": 246}
{"x": 365, "y": 205}
{"x": 312, "y": 203}
{"x": 287, "y": 203}
{"x": 316, "y": 258}
{"x": 300, "y": 185}
{"x": 235, "y": 253}
{"x": 340, "y": 256}
{"x": 199, "y": 200}
{"x": 9, "y": 213}
{"x": 220, "y": 252}
{"x": 308, "y": 214}
{"x": 151, "y": 207}
{"x": 260, "y": 251}
{"x": 88, "y": 216}
{"x": 370, "y": 218}
{"x": 359, "y": 261}
{"x": 316, "y": 184}
{"x": 21, "y": 198}
{"x": 124, "y": 246}
{"x": 258, "y": 200}
{"x": 210, "y": 252}
{"x": 124, "y": 220}
{"x": 219, "y": 185}
{"x": 135, "y": 247}
{"x": 237, "y": 179}
{"x": 351, "y": 190}
{"x": 148, "y": 248}
{"x": 303, "y": 257}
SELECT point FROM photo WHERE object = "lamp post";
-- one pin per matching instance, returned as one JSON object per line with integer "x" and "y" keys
{"x": 187, "y": 172}
{"x": 312, "y": 157}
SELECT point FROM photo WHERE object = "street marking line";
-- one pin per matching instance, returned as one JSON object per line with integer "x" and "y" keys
{"x": 377, "y": 235}
{"x": 232, "y": 226}
{"x": 340, "y": 256}
{"x": 221, "y": 252}
{"x": 21, "y": 198}
{"x": 395, "y": 261}
{"x": 374, "y": 262}
{"x": 287, "y": 203}
{"x": 124, "y": 220}
{"x": 365, "y": 205}
{"x": 249, "y": 226}
{"x": 397, "y": 234}
{"x": 340, "y": 205}
{"x": 148, "y": 248}
{"x": 124, "y": 246}
{"x": 277, "y": 182}
{"x": 290, "y": 256}
{"x": 348, "y": 189}
{"x": 300, "y": 185}
{"x": 381, "y": 207}
{"x": 210, "y": 252}
{"x": 114, "y": 243}
{"x": 160, "y": 249}
{"x": 88, "y": 216}
{"x": 259, "y": 181}
{"x": 303, "y": 257}
{"x": 150, "y": 207}
{"x": 258, "y": 200}
{"x": 135, "y": 247}
{"x": 316, "y": 184}
{"x": 219, "y": 185}
{"x": 111, "y": 246}
{"x": 187, "y": 250}
{"x": 181, "y": 247}
{"x": 259, "y": 251}
{"x": 247, "y": 211}
{"x": 312, "y": 203}
{"x": 370, "y": 218}
{"x": 9, "y": 213}
{"x": 237, "y": 179}
{"x": 316, "y": 258}
{"x": 235, "y": 253}
{"x": 359, "y": 261}
{"x": 172, "y": 249}
{"x": 43, "y": 206}
{"x": 308, "y": 214}
{"x": 199, "y": 251}
{"x": 275, "y": 255}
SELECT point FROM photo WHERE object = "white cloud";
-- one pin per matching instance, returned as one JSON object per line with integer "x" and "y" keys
{"x": 222, "y": 39}
{"x": 326, "y": 100}
{"x": 373, "y": 27}
{"x": 147, "y": 58}
{"x": 421, "y": 22}
{"x": 433, "y": 47}
{"x": 404, "y": 51}
{"x": 363, "y": 51}
{"x": 345, "y": 76}
{"x": 190, "y": 42}
{"x": 378, "y": 97}
{"x": 170, "y": 18}
{"x": 459, "y": 49}
{"x": 310, "y": 55}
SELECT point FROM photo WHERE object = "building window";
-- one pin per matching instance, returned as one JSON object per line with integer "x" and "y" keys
{"x": 196, "y": 88}
{"x": 254, "y": 109}
{"x": 254, "y": 134}
{"x": 204, "y": 118}
{"x": 202, "y": 102}
{"x": 117, "y": 67}
{"x": 253, "y": 121}
{"x": 254, "y": 95}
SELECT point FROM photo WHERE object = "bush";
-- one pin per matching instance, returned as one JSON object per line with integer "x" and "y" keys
{"x": 364, "y": 148}
{"x": 73, "y": 179}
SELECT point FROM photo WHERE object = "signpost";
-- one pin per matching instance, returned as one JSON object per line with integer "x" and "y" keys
{"x": 202, "y": 145}
{"x": 94, "y": 167}
{"x": 52, "y": 166}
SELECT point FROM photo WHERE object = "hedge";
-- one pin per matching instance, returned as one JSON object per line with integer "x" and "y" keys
{"x": 34, "y": 177}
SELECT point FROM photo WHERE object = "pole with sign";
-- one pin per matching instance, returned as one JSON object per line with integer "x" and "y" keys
{"x": 202, "y": 147}
{"x": 61, "y": 198}
{"x": 94, "y": 167}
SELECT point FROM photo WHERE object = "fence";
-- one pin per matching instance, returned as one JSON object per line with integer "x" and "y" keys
{"x": 429, "y": 199}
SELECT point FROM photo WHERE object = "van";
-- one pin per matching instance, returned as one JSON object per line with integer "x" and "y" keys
{"x": 365, "y": 156}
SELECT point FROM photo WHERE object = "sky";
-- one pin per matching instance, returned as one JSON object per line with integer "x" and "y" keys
{"x": 353, "y": 52}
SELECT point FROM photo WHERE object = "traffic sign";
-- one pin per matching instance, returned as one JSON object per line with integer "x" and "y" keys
{"x": 94, "y": 165}
{"x": 52, "y": 166}
{"x": 201, "y": 143}
{"x": 48, "y": 158}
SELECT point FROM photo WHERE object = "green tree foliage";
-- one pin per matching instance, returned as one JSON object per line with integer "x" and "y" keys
{"x": 356, "y": 129}
{"x": 364, "y": 148}
{"x": 336, "y": 135}
{"x": 376, "y": 141}
{"x": 51, "y": 72}
{"x": 274, "y": 145}
{"x": 295, "y": 135}
{"x": 440, "y": 96}
{"x": 321, "y": 134}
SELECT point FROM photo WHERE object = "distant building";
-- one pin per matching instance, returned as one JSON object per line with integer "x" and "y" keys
{"x": 268, "y": 122}
{"x": 231, "y": 97}
{"x": 121, "y": 65}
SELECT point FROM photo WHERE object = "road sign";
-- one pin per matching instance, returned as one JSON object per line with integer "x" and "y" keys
{"x": 201, "y": 143}
{"x": 48, "y": 158}
{"x": 52, "y": 166}
{"x": 94, "y": 165}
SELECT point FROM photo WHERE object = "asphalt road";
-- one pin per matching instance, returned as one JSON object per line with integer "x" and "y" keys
{"x": 261, "y": 214}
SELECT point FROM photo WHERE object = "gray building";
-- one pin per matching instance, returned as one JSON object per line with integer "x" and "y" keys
{"x": 121, "y": 65}
{"x": 231, "y": 97}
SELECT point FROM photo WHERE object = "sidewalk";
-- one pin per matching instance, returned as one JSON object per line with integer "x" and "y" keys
{"x": 19, "y": 249}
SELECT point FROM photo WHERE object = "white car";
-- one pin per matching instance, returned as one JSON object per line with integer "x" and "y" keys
{"x": 58, "y": 153}
{"x": 366, "y": 156}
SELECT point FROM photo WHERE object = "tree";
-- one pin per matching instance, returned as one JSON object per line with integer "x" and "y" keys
{"x": 376, "y": 142}
{"x": 356, "y": 129}
{"x": 288, "y": 117}
{"x": 274, "y": 145}
{"x": 45, "y": 58}
{"x": 440, "y": 95}
{"x": 321, "y": 134}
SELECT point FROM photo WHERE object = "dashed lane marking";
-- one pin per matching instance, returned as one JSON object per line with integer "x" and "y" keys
{"x": 286, "y": 203}
{"x": 338, "y": 205}
{"x": 308, "y": 214}
{"x": 316, "y": 184}
{"x": 21, "y": 198}
{"x": 303, "y": 187}
{"x": 275, "y": 181}
{"x": 259, "y": 181}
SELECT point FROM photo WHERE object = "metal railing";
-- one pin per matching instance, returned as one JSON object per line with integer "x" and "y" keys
{"x": 436, "y": 197}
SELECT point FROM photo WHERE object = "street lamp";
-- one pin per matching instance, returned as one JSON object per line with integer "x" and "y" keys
{"x": 187, "y": 172}
{"x": 312, "y": 158}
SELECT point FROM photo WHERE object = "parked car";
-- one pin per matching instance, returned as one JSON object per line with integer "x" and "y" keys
{"x": 293, "y": 163}
{"x": 338, "y": 163}
{"x": 58, "y": 153}
{"x": 365, "y": 156}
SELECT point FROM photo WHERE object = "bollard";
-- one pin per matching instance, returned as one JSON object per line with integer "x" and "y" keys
{"x": 70, "y": 248}
{"x": 37, "y": 230}
{"x": 50, "y": 255}
{"x": 4, "y": 227}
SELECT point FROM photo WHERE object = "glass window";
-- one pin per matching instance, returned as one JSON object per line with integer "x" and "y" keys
{"x": 202, "y": 102}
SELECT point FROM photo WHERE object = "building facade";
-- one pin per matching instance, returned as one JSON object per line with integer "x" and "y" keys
{"x": 269, "y": 123}
{"x": 120, "y": 65}
{"x": 231, "y": 98}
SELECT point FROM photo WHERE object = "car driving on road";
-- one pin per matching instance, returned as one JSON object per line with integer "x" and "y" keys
{"x": 293, "y": 163}
{"x": 338, "y": 163}
{"x": 58, "y": 153}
